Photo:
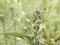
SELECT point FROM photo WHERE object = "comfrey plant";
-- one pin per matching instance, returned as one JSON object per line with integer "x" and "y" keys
{"x": 37, "y": 28}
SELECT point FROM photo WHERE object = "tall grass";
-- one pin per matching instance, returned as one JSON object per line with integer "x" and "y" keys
{"x": 19, "y": 19}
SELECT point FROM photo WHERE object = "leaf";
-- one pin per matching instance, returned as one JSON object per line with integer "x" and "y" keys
{"x": 49, "y": 43}
{"x": 16, "y": 34}
{"x": 35, "y": 16}
{"x": 36, "y": 27}
{"x": 57, "y": 37}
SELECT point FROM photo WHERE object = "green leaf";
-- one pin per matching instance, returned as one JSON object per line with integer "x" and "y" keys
{"x": 49, "y": 43}
{"x": 36, "y": 27}
{"x": 16, "y": 34}
{"x": 35, "y": 16}
{"x": 57, "y": 37}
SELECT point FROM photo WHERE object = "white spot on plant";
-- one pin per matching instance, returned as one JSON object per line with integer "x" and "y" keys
{"x": 32, "y": 24}
{"x": 41, "y": 27}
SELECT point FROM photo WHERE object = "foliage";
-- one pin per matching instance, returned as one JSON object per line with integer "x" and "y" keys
{"x": 35, "y": 22}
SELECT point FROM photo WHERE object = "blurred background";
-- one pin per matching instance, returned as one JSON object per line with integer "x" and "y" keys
{"x": 16, "y": 15}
